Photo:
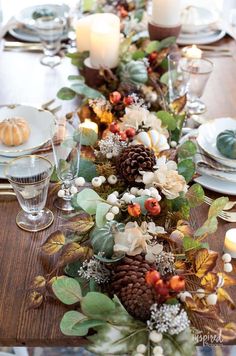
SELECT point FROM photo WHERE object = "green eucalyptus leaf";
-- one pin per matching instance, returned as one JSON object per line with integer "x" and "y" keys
{"x": 187, "y": 169}
{"x": 67, "y": 290}
{"x": 165, "y": 78}
{"x": 88, "y": 137}
{"x": 152, "y": 46}
{"x": 97, "y": 305}
{"x": 138, "y": 14}
{"x": 87, "y": 200}
{"x": 87, "y": 169}
{"x": 138, "y": 55}
{"x": 189, "y": 243}
{"x": 66, "y": 94}
{"x": 209, "y": 227}
{"x": 85, "y": 90}
{"x": 76, "y": 77}
{"x": 167, "y": 119}
{"x": 167, "y": 42}
{"x": 88, "y": 5}
{"x": 217, "y": 206}
{"x": 195, "y": 195}
{"x": 69, "y": 320}
{"x": 186, "y": 150}
{"x": 101, "y": 211}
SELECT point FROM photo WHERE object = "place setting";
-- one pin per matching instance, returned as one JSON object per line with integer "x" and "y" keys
{"x": 123, "y": 214}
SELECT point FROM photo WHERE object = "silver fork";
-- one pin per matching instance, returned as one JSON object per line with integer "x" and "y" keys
{"x": 228, "y": 216}
{"x": 228, "y": 206}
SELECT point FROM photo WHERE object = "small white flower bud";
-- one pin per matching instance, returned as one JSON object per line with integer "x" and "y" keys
{"x": 183, "y": 295}
{"x": 228, "y": 267}
{"x": 134, "y": 190}
{"x": 128, "y": 198}
{"x": 140, "y": 192}
{"x": 112, "y": 199}
{"x": 96, "y": 182}
{"x": 200, "y": 293}
{"x": 110, "y": 216}
{"x": 146, "y": 192}
{"x": 115, "y": 210}
{"x": 112, "y": 179}
{"x": 158, "y": 350}
{"x": 109, "y": 155}
{"x": 173, "y": 144}
{"x": 141, "y": 348}
{"x": 103, "y": 179}
{"x": 73, "y": 190}
{"x": 61, "y": 193}
{"x": 116, "y": 193}
{"x": 155, "y": 337}
{"x": 226, "y": 258}
{"x": 80, "y": 181}
{"x": 211, "y": 299}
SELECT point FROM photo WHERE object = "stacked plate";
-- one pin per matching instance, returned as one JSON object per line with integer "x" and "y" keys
{"x": 40, "y": 123}
{"x": 199, "y": 26}
{"x": 218, "y": 173}
{"x": 24, "y": 30}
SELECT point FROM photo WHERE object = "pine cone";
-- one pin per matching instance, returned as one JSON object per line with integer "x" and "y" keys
{"x": 128, "y": 283}
{"x": 134, "y": 159}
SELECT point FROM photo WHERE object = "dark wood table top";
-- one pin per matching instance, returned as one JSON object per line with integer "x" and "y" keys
{"x": 22, "y": 80}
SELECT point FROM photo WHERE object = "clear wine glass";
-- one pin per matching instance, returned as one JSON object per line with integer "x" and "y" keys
{"x": 66, "y": 143}
{"x": 29, "y": 176}
{"x": 195, "y": 74}
{"x": 50, "y": 30}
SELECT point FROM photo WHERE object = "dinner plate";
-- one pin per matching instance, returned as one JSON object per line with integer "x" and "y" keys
{"x": 216, "y": 185}
{"x": 201, "y": 39}
{"x": 39, "y": 121}
{"x": 195, "y": 18}
{"x": 208, "y": 133}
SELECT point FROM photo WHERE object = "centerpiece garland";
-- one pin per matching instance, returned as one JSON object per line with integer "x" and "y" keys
{"x": 136, "y": 271}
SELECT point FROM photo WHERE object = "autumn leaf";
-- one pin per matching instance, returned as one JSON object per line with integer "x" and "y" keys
{"x": 180, "y": 265}
{"x": 54, "y": 243}
{"x": 38, "y": 283}
{"x": 205, "y": 261}
{"x": 72, "y": 252}
{"x": 226, "y": 333}
{"x": 184, "y": 227}
{"x": 198, "y": 307}
{"x": 35, "y": 299}
{"x": 78, "y": 224}
{"x": 210, "y": 281}
{"x": 228, "y": 280}
{"x": 223, "y": 296}
{"x": 178, "y": 104}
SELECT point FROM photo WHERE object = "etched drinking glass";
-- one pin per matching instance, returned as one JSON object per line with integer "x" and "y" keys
{"x": 29, "y": 176}
{"x": 66, "y": 143}
{"x": 50, "y": 30}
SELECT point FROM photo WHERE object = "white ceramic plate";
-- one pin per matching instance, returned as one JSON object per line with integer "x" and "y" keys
{"x": 201, "y": 39}
{"x": 28, "y": 36}
{"x": 217, "y": 185}
{"x": 195, "y": 19}
{"x": 40, "y": 122}
{"x": 208, "y": 133}
{"x": 25, "y": 16}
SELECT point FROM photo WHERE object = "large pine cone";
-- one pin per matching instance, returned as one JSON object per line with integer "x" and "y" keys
{"x": 134, "y": 159}
{"x": 128, "y": 283}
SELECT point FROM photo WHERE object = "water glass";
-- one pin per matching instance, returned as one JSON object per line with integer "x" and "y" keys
{"x": 50, "y": 30}
{"x": 195, "y": 74}
{"x": 177, "y": 87}
{"x": 66, "y": 143}
{"x": 29, "y": 176}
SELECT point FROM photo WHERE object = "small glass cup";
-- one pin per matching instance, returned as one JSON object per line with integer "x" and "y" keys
{"x": 29, "y": 176}
{"x": 177, "y": 87}
{"x": 66, "y": 144}
{"x": 195, "y": 74}
{"x": 50, "y": 30}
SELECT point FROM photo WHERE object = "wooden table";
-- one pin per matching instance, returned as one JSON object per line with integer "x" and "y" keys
{"x": 23, "y": 79}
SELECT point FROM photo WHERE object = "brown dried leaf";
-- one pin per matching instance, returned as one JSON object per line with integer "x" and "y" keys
{"x": 79, "y": 225}
{"x": 226, "y": 333}
{"x": 205, "y": 261}
{"x": 178, "y": 104}
{"x": 38, "y": 283}
{"x": 184, "y": 227}
{"x": 35, "y": 299}
{"x": 223, "y": 296}
{"x": 228, "y": 280}
{"x": 210, "y": 281}
{"x": 180, "y": 265}
{"x": 72, "y": 252}
{"x": 205, "y": 311}
{"x": 54, "y": 243}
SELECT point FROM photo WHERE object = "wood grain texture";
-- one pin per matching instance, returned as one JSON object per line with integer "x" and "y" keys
{"x": 23, "y": 79}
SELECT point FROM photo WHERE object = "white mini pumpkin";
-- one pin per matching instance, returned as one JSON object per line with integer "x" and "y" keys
{"x": 152, "y": 139}
{"x": 14, "y": 131}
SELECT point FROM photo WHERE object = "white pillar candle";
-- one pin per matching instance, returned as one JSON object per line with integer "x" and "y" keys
{"x": 83, "y": 29}
{"x": 166, "y": 12}
{"x": 105, "y": 41}
{"x": 192, "y": 52}
{"x": 230, "y": 242}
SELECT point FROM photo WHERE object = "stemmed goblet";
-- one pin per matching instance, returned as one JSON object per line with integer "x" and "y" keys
{"x": 66, "y": 143}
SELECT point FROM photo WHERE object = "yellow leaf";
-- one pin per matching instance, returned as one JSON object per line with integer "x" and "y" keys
{"x": 223, "y": 296}
{"x": 228, "y": 280}
{"x": 54, "y": 243}
{"x": 178, "y": 104}
{"x": 35, "y": 299}
{"x": 225, "y": 334}
{"x": 79, "y": 225}
{"x": 205, "y": 261}
{"x": 72, "y": 252}
{"x": 180, "y": 265}
{"x": 210, "y": 281}
{"x": 38, "y": 283}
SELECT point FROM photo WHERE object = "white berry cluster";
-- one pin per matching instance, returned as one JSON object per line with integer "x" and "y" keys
{"x": 111, "y": 146}
{"x": 155, "y": 338}
{"x": 113, "y": 200}
{"x": 98, "y": 181}
{"x": 151, "y": 192}
{"x": 78, "y": 182}
{"x": 226, "y": 258}
{"x": 168, "y": 318}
